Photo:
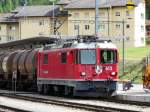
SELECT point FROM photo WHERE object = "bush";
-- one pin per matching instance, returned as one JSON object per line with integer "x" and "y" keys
{"x": 148, "y": 41}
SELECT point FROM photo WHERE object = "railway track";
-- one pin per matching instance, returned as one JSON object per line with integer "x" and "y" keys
{"x": 76, "y": 105}
{"x": 10, "y": 109}
{"x": 128, "y": 102}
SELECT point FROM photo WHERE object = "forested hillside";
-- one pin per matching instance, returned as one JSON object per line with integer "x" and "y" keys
{"x": 9, "y": 5}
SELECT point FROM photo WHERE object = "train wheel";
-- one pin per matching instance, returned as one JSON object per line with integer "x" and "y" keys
{"x": 69, "y": 91}
{"x": 66, "y": 92}
{"x": 40, "y": 88}
{"x": 45, "y": 89}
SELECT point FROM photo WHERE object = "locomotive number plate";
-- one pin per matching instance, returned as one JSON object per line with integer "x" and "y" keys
{"x": 108, "y": 68}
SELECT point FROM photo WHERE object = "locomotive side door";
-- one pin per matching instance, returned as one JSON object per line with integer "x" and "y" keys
{"x": 43, "y": 65}
{"x": 71, "y": 69}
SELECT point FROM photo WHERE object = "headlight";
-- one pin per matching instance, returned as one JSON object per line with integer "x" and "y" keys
{"x": 114, "y": 73}
{"x": 83, "y": 74}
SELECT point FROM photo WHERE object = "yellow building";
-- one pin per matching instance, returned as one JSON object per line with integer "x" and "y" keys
{"x": 77, "y": 17}
{"x": 40, "y": 21}
{"x": 33, "y": 21}
{"x": 9, "y": 28}
{"x": 115, "y": 21}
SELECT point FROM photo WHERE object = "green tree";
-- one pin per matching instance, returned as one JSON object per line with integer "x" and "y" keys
{"x": 9, "y": 5}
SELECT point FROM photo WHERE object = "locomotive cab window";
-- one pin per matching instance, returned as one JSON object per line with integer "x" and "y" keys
{"x": 63, "y": 57}
{"x": 108, "y": 56}
{"x": 45, "y": 59}
{"x": 87, "y": 56}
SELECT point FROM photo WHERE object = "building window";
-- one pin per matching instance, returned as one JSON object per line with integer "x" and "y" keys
{"x": 142, "y": 15}
{"x": 118, "y": 26}
{"x": 117, "y": 13}
{"x": 102, "y": 14}
{"x": 63, "y": 57}
{"x": 41, "y": 23}
{"x": 87, "y": 14}
{"x": 45, "y": 59}
{"x": 127, "y": 13}
{"x": 142, "y": 28}
{"x": 101, "y": 27}
{"x": 76, "y": 27}
{"x": 10, "y": 38}
{"x": 41, "y": 33}
{"x": 12, "y": 28}
{"x": 127, "y": 38}
{"x": 142, "y": 40}
{"x": 128, "y": 26}
{"x": 87, "y": 27}
{"x": 76, "y": 15}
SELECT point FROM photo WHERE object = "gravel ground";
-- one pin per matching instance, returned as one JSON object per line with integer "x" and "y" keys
{"x": 35, "y": 107}
{"x": 97, "y": 102}
{"x": 5, "y": 110}
{"x": 39, "y": 107}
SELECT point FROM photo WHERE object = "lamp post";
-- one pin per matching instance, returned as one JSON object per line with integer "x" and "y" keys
{"x": 130, "y": 5}
{"x": 53, "y": 16}
{"x": 123, "y": 47}
{"x": 96, "y": 16}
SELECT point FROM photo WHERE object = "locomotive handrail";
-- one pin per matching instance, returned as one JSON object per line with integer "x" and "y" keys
{"x": 87, "y": 38}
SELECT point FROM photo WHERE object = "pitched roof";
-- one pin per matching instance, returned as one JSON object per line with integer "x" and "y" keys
{"x": 8, "y": 18}
{"x": 36, "y": 11}
{"x": 103, "y": 3}
{"x": 64, "y": 2}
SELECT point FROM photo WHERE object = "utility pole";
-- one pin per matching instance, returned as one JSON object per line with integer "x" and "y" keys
{"x": 97, "y": 3}
{"x": 130, "y": 5}
{"x": 123, "y": 47}
{"x": 54, "y": 25}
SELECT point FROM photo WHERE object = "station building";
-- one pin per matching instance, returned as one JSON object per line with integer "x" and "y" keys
{"x": 77, "y": 17}
{"x": 115, "y": 20}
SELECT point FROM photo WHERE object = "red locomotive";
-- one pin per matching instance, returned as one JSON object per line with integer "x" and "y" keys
{"x": 83, "y": 67}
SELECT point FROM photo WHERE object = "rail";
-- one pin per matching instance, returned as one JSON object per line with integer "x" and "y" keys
{"x": 89, "y": 107}
{"x": 11, "y": 109}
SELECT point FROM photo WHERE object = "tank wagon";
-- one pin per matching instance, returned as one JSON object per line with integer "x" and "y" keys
{"x": 80, "y": 67}
{"x": 19, "y": 65}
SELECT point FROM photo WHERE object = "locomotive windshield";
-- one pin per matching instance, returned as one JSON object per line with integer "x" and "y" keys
{"x": 108, "y": 56}
{"x": 87, "y": 57}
